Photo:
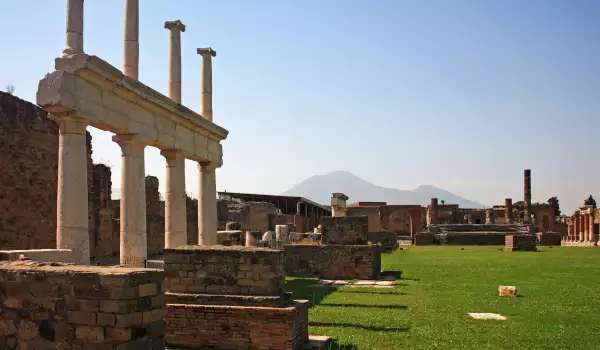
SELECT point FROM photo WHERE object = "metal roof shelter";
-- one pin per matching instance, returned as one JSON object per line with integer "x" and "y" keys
{"x": 287, "y": 204}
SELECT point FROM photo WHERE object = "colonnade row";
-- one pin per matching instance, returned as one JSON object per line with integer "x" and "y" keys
{"x": 72, "y": 195}
{"x": 582, "y": 228}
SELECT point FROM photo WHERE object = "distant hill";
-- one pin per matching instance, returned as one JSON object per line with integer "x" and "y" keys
{"x": 319, "y": 188}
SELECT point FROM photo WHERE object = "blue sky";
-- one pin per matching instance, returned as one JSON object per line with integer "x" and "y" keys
{"x": 460, "y": 94}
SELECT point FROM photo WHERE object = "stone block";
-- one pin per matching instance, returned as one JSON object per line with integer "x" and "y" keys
{"x": 333, "y": 261}
{"x": 549, "y": 238}
{"x": 423, "y": 238}
{"x": 222, "y": 269}
{"x": 344, "y": 230}
{"x": 388, "y": 241}
{"x": 507, "y": 291}
{"x": 521, "y": 242}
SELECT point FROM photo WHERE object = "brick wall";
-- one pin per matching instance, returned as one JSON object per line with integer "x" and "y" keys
{"x": 521, "y": 243}
{"x": 224, "y": 270}
{"x": 80, "y": 307}
{"x": 226, "y": 327}
{"x": 344, "y": 229}
{"x": 333, "y": 261}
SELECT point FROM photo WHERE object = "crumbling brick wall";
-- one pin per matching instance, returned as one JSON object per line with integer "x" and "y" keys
{"x": 28, "y": 180}
{"x": 155, "y": 222}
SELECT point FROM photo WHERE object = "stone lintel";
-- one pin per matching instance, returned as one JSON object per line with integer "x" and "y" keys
{"x": 175, "y": 25}
{"x": 89, "y": 88}
{"x": 229, "y": 300}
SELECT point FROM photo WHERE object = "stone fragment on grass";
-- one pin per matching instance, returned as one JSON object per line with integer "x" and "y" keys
{"x": 507, "y": 291}
{"x": 487, "y": 316}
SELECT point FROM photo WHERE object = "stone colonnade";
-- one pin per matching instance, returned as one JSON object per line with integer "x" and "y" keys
{"x": 581, "y": 229}
{"x": 72, "y": 202}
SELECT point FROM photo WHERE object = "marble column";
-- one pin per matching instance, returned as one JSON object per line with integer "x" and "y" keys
{"x": 74, "y": 27}
{"x": 132, "y": 45}
{"x": 508, "y": 211}
{"x": 72, "y": 195}
{"x": 207, "y": 55}
{"x": 527, "y": 196}
{"x": 207, "y": 205}
{"x": 175, "y": 29}
{"x": 175, "y": 200}
{"x": 133, "y": 238}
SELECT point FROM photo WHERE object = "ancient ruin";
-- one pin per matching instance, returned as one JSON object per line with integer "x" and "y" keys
{"x": 582, "y": 228}
{"x": 85, "y": 90}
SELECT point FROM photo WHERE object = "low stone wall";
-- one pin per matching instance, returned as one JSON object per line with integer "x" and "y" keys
{"x": 238, "y": 327}
{"x": 230, "y": 238}
{"x": 45, "y": 306}
{"x": 344, "y": 230}
{"x": 521, "y": 243}
{"x": 304, "y": 238}
{"x": 333, "y": 261}
{"x": 471, "y": 238}
{"x": 45, "y": 255}
{"x": 423, "y": 238}
{"x": 549, "y": 238}
{"x": 387, "y": 240}
{"x": 224, "y": 270}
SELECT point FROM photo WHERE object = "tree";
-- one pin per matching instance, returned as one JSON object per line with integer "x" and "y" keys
{"x": 591, "y": 201}
{"x": 553, "y": 201}
{"x": 10, "y": 89}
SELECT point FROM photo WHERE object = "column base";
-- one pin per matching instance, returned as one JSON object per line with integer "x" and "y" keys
{"x": 133, "y": 262}
{"x": 77, "y": 240}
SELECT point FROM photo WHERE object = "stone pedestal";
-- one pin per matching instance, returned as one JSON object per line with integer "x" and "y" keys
{"x": 231, "y": 298}
{"x": 521, "y": 243}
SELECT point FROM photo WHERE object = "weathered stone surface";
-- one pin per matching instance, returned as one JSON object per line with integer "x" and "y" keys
{"x": 224, "y": 270}
{"x": 423, "y": 238}
{"x": 549, "y": 238}
{"x": 229, "y": 238}
{"x": 333, "y": 261}
{"x": 388, "y": 241}
{"x": 344, "y": 230}
{"x": 507, "y": 291}
{"x": 521, "y": 243}
{"x": 80, "y": 307}
{"x": 44, "y": 255}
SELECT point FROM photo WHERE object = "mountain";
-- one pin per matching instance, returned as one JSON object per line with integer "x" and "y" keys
{"x": 319, "y": 188}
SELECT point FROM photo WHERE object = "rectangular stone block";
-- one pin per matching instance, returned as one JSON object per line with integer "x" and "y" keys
{"x": 507, "y": 291}
{"x": 344, "y": 230}
{"x": 423, "y": 238}
{"x": 44, "y": 255}
{"x": 80, "y": 300}
{"x": 550, "y": 238}
{"x": 333, "y": 261}
{"x": 523, "y": 242}
{"x": 224, "y": 270}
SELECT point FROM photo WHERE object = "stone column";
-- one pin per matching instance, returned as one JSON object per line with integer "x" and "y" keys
{"x": 74, "y": 26}
{"x": 489, "y": 212}
{"x": 175, "y": 200}
{"x": 133, "y": 238}
{"x": 585, "y": 229}
{"x": 207, "y": 55}
{"x": 175, "y": 28}
{"x": 508, "y": 211}
{"x": 72, "y": 195}
{"x": 433, "y": 211}
{"x": 132, "y": 45}
{"x": 527, "y": 195}
{"x": 250, "y": 239}
{"x": 207, "y": 204}
{"x": 591, "y": 233}
{"x": 282, "y": 233}
{"x": 298, "y": 211}
{"x": 580, "y": 227}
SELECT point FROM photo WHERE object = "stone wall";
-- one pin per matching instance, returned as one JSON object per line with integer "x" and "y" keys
{"x": 388, "y": 241}
{"x": 521, "y": 243}
{"x": 224, "y": 270}
{"x": 344, "y": 230}
{"x": 253, "y": 216}
{"x": 80, "y": 307}
{"x": 28, "y": 180}
{"x": 333, "y": 261}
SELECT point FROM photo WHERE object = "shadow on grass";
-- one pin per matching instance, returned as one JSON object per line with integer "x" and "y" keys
{"x": 389, "y": 307}
{"x": 359, "y": 326}
{"x": 305, "y": 289}
{"x": 356, "y": 291}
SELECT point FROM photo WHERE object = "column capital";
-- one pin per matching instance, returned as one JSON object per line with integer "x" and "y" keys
{"x": 207, "y": 165}
{"x": 175, "y": 25}
{"x": 130, "y": 145}
{"x": 206, "y": 52}
{"x": 171, "y": 153}
{"x": 69, "y": 123}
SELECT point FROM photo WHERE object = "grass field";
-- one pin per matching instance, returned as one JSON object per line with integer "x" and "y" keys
{"x": 558, "y": 307}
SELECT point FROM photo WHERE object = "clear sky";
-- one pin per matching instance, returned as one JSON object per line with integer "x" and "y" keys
{"x": 460, "y": 94}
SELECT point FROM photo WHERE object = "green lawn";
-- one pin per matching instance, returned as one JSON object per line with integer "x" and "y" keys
{"x": 558, "y": 307}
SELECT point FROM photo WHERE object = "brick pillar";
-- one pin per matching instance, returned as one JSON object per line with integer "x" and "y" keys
{"x": 527, "y": 195}
{"x": 580, "y": 227}
{"x": 489, "y": 213}
{"x": 508, "y": 211}
{"x": 591, "y": 233}
{"x": 433, "y": 211}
